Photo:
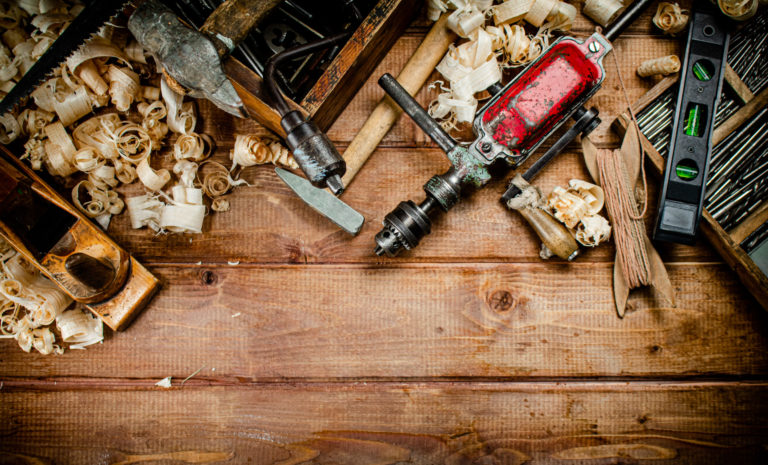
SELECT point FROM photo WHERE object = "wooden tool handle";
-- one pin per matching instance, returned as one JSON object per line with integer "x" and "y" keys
{"x": 551, "y": 232}
{"x": 413, "y": 76}
{"x": 231, "y": 22}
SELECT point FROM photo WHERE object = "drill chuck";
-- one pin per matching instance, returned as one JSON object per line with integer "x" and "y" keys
{"x": 314, "y": 152}
{"x": 407, "y": 224}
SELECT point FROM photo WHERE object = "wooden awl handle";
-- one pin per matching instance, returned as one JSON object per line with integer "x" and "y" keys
{"x": 551, "y": 232}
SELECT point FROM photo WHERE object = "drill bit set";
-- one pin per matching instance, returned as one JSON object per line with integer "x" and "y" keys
{"x": 735, "y": 189}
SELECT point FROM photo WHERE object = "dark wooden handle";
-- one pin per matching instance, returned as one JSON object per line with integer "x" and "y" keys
{"x": 231, "y": 22}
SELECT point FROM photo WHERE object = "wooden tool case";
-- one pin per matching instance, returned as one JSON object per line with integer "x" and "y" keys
{"x": 343, "y": 77}
{"x": 727, "y": 243}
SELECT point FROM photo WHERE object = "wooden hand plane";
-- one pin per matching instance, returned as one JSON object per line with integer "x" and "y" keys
{"x": 68, "y": 248}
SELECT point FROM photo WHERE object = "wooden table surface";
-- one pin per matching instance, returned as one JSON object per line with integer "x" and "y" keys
{"x": 468, "y": 350}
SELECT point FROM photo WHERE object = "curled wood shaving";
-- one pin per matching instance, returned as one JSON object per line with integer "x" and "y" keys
{"x": 79, "y": 329}
{"x": 33, "y": 121}
{"x": 577, "y": 207}
{"x": 133, "y": 142}
{"x": 9, "y": 128}
{"x": 663, "y": 65}
{"x": 152, "y": 180}
{"x": 192, "y": 146}
{"x": 186, "y": 171}
{"x": 670, "y": 18}
{"x": 252, "y": 150}
{"x": 220, "y": 204}
{"x": 181, "y": 117}
{"x": 144, "y": 210}
{"x": 739, "y": 10}
{"x": 602, "y": 11}
{"x": 74, "y": 106}
{"x": 28, "y": 303}
{"x": 539, "y": 11}
{"x": 123, "y": 87}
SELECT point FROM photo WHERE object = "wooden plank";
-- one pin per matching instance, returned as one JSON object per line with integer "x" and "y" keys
{"x": 388, "y": 424}
{"x": 421, "y": 321}
{"x": 739, "y": 88}
{"x": 269, "y": 224}
{"x": 750, "y": 223}
{"x": 609, "y": 100}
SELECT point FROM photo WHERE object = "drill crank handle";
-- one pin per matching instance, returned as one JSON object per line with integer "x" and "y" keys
{"x": 625, "y": 19}
{"x": 418, "y": 114}
{"x": 586, "y": 122}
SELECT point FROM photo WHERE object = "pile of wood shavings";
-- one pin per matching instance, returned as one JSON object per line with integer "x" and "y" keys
{"x": 478, "y": 62}
{"x": 136, "y": 112}
{"x": 30, "y": 304}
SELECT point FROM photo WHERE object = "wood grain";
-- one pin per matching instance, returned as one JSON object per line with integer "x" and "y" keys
{"x": 514, "y": 321}
{"x": 388, "y": 424}
{"x": 468, "y": 351}
{"x": 267, "y": 223}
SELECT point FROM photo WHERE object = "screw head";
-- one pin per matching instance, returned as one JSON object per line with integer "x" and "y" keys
{"x": 691, "y": 149}
{"x": 594, "y": 47}
{"x": 486, "y": 147}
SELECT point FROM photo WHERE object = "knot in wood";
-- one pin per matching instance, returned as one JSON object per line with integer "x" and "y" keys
{"x": 501, "y": 301}
{"x": 208, "y": 277}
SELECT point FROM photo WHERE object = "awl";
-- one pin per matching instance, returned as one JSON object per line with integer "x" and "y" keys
{"x": 323, "y": 202}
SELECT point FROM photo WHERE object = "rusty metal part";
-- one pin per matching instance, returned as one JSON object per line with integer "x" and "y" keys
{"x": 188, "y": 56}
{"x": 314, "y": 152}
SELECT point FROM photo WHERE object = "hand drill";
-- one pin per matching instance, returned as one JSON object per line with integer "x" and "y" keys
{"x": 509, "y": 127}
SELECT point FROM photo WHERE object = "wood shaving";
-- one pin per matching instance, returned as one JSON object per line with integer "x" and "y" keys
{"x": 659, "y": 66}
{"x": 739, "y": 10}
{"x": 220, "y": 204}
{"x": 670, "y": 18}
{"x": 473, "y": 66}
{"x": 164, "y": 383}
{"x": 193, "y": 146}
{"x": 250, "y": 150}
{"x": 80, "y": 329}
{"x": 577, "y": 207}
{"x": 29, "y": 302}
{"x": 603, "y": 12}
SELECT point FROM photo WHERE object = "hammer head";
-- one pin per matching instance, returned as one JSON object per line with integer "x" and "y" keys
{"x": 187, "y": 55}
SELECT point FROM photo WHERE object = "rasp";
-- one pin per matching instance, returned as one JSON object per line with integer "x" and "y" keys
{"x": 95, "y": 14}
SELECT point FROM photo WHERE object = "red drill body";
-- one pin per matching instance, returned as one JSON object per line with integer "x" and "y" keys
{"x": 542, "y": 97}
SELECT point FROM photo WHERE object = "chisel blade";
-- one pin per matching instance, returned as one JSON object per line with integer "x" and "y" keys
{"x": 325, "y": 203}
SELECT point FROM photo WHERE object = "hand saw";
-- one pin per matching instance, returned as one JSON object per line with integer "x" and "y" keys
{"x": 95, "y": 15}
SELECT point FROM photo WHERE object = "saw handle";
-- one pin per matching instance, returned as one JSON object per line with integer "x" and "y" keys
{"x": 233, "y": 20}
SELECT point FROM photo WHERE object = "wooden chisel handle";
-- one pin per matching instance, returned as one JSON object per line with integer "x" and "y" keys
{"x": 413, "y": 76}
{"x": 231, "y": 22}
{"x": 551, "y": 232}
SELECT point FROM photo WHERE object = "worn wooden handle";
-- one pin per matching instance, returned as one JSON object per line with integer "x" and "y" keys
{"x": 413, "y": 76}
{"x": 551, "y": 232}
{"x": 231, "y": 22}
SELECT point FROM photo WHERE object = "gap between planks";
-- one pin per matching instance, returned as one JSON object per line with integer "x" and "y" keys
{"x": 523, "y": 384}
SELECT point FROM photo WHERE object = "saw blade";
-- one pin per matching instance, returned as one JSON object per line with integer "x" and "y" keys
{"x": 85, "y": 25}
{"x": 325, "y": 203}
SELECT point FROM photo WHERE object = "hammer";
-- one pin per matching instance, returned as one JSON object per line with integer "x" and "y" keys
{"x": 193, "y": 59}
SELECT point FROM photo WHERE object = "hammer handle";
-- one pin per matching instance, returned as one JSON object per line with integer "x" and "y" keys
{"x": 413, "y": 76}
{"x": 231, "y": 22}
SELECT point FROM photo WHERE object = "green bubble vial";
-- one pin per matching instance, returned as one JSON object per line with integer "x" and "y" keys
{"x": 686, "y": 171}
